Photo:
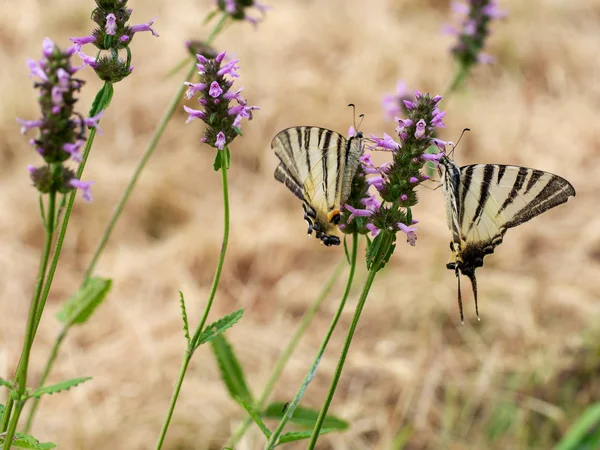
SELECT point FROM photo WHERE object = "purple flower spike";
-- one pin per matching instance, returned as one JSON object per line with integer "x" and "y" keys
{"x": 411, "y": 236}
{"x": 111, "y": 24}
{"x": 145, "y": 27}
{"x": 216, "y": 97}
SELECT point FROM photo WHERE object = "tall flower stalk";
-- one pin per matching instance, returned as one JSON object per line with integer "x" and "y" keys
{"x": 194, "y": 48}
{"x": 62, "y": 133}
{"x": 475, "y": 18}
{"x": 222, "y": 110}
{"x": 395, "y": 183}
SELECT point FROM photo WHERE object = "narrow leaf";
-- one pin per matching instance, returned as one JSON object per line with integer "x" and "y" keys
{"x": 210, "y": 16}
{"x": 218, "y": 327}
{"x": 299, "y": 435}
{"x": 80, "y": 306}
{"x": 217, "y": 162}
{"x": 62, "y": 386}
{"x": 305, "y": 417}
{"x": 255, "y": 416}
{"x": 98, "y": 101}
{"x": 231, "y": 370}
{"x": 584, "y": 432}
{"x": 26, "y": 441}
{"x": 6, "y": 383}
{"x": 186, "y": 327}
{"x": 346, "y": 250}
{"x": 1, "y": 412}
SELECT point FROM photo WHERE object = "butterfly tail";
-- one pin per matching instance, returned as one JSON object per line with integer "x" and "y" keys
{"x": 473, "y": 279}
{"x": 460, "y": 305}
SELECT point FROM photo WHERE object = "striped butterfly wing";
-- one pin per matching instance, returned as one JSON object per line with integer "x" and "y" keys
{"x": 318, "y": 165}
{"x": 490, "y": 199}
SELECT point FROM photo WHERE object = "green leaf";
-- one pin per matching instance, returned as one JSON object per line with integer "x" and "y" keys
{"x": 102, "y": 99}
{"x": 6, "y": 383}
{"x": 217, "y": 162}
{"x": 584, "y": 434}
{"x": 299, "y": 435}
{"x": 25, "y": 441}
{"x": 80, "y": 306}
{"x": 255, "y": 416}
{"x": 218, "y": 327}
{"x": 238, "y": 131}
{"x": 186, "y": 327}
{"x": 305, "y": 417}
{"x": 62, "y": 386}
{"x": 346, "y": 250}
{"x": 380, "y": 250}
{"x": 1, "y": 412}
{"x": 231, "y": 370}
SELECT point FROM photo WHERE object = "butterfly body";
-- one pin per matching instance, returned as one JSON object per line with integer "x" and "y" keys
{"x": 484, "y": 200}
{"x": 318, "y": 166}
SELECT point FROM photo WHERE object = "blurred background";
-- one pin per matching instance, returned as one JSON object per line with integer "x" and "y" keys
{"x": 415, "y": 378}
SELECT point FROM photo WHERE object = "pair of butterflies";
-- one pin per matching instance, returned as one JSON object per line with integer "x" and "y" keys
{"x": 482, "y": 200}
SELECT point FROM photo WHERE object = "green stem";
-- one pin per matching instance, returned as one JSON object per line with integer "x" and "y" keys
{"x": 287, "y": 353}
{"x": 184, "y": 366}
{"x": 21, "y": 375}
{"x": 311, "y": 373}
{"x": 45, "y": 375}
{"x": 460, "y": 76}
{"x": 217, "y": 277}
{"x": 62, "y": 232}
{"x": 193, "y": 343}
{"x": 342, "y": 360}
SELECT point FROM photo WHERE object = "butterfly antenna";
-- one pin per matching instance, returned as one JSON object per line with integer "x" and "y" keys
{"x": 362, "y": 117}
{"x": 474, "y": 284}
{"x": 458, "y": 142}
{"x": 351, "y": 105}
{"x": 462, "y": 317}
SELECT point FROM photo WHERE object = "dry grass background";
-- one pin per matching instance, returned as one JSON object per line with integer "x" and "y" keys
{"x": 412, "y": 367}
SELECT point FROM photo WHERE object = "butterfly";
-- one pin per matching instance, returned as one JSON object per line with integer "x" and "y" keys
{"x": 318, "y": 166}
{"x": 485, "y": 200}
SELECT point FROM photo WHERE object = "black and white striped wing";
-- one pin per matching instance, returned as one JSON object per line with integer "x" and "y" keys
{"x": 316, "y": 165}
{"x": 494, "y": 198}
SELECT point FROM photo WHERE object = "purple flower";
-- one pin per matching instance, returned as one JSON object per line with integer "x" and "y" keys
{"x": 193, "y": 88}
{"x": 433, "y": 157}
{"x": 358, "y": 212}
{"x": 73, "y": 150}
{"x": 373, "y": 229}
{"x": 236, "y": 9}
{"x": 87, "y": 61}
{"x": 409, "y": 105}
{"x": 392, "y": 104}
{"x": 194, "y": 114}
{"x": 215, "y": 90}
{"x": 413, "y": 180}
{"x": 411, "y": 236}
{"x": 420, "y": 132}
{"x": 81, "y": 41}
{"x": 386, "y": 142}
{"x": 220, "y": 141}
{"x": 84, "y": 187}
{"x": 29, "y": 124}
{"x": 47, "y": 47}
{"x": 440, "y": 144}
{"x": 111, "y": 24}
{"x": 35, "y": 70}
{"x": 145, "y": 27}
{"x": 92, "y": 122}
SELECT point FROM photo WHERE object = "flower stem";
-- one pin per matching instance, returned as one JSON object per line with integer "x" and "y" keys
{"x": 342, "y": 360}
{"x": 289, "y": 412}
{"x": 47, "y": 369}
{"x": 459, "y": 77}
{"x": 184, "y": 366}
{"x": 193, "y": 343}
{"x": 21, "y": 375}
{"x": 287, "y": 352}
{"x": 136, "y": 174}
